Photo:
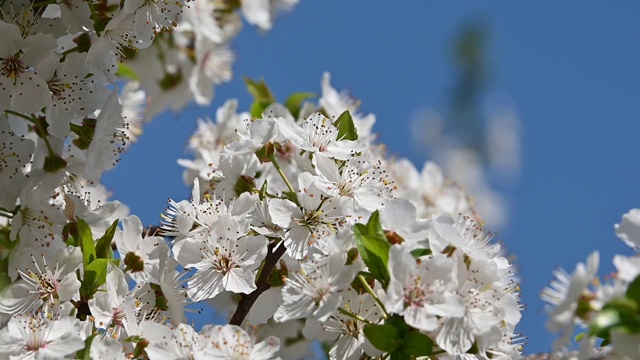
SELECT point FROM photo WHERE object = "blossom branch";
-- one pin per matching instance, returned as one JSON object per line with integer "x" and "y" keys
{"x": 281, "y": 173}
{"x": 15, "y": 113}
{"x": 262, "y": 284}
{"x": 370, "y": 291}
{"x": 354, "y": 316}
{"x": 40, "y": 129}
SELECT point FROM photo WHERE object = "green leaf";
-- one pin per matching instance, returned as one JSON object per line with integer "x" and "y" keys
{"x": 5, "y": 279}
{"x": 605, "y": 320}
{"x": 262, "y": 96}
{"x": 374, "y": 247}
{"x": 374, "y": 226}
{"x": 620, "y": 313}
{"x": 162, "y": 303}
{"x": 95, "y": 274}
{"x": 265, "y": 153}
{"x": 417, "y": 344}
{"x": 474, "y": 348}
{"x": 633, "y": 291}
{"x": 259, "y": 90}
{"x": 294, "y": 102}
{"x": 244, "y": 184}
{"x": 352, "y": 255}
{"x": 5, "y": 241}
{"x": 85, "y": 353}
{"x": 420, "y": 252}
{"x": 383, "y": 337}
{"x": 399, "y": 355}
{"x": 86, "y": 242}
{"x": 83, "y": 42}
{"x": 103, "y": 245}
{"x": 291, "y": 196}
{"x": 346, "y": 128}
{"x": 126, "y": 72}
{"x": 374, "y": 263}
{"x": 53, "y": 164}
{"x": 170, "y": 80}
{"x": 257, "y": 108}
{"x": 398, "y": 322}
{"x": 623, "y": 305}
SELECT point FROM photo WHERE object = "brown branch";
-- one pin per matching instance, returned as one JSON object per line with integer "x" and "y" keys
{"x": 262, "y": 284}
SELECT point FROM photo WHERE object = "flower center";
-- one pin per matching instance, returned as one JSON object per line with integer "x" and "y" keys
{"x": 118, "y": 316}
{"x": 350, "y": 327}
{"x": 223, "y": 262}
{"x": 47, "y": 288}
{"x": 58, "y": 88}
{"x": 35, "y": 334}
{"x": 312, "y": 218}
{"x": 12, "y": 67}
{"x": 414, "y": 295}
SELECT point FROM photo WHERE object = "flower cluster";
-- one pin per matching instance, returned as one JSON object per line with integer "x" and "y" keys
{"x": 299, "y": 227}
{"x": 64, "y": 291}
{"x": 296, "y": 228}
{"x": 605, "y": 310}
{"x": 61, "y": 64}
{"x": 356, "y": 260}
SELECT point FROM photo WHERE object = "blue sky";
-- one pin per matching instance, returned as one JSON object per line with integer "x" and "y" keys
{"x": 571, "y": 68}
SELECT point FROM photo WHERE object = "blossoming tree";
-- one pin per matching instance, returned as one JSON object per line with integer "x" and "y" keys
{"x": 299, "y": 227}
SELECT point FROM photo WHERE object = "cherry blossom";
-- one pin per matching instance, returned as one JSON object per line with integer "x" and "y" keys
{"x": 36, "y": 337}
{"x": 422, "y": 291}
{"x": 21, "y": 87}
{"x": 224, "y": 261}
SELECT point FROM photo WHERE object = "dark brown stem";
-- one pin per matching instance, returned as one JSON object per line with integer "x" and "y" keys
{"x": 262, "y": 284}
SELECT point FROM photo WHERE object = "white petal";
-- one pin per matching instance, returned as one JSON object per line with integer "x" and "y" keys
{"x": 265, "y": 349}
{"x": 628, "y": 267}
{"x": 297, "y": 242}
{"x": 239, "y": 280}
{"x": 30, "y": 94}
{"x": 130, "y": 6}
{"x": 420, "y": 318}
{"x": 626, "y": 344}
{"x": 205, "y": 284}
{"x": 106, "y": 348}
{"x": 265, "y": 307}
{"x": 36, "y": 48}
{"x": 455, "y": 336}
{"x": 18, "y": 298}
{"x": 328, "y": 307}
{"x": 188, "y": 252}
{"x": 11, "y": 39}
{"x": 295, "y": 307}
{"x": 629, "y": 229}
{"x": 68, "y": 288}
{"x": 398, "y": 214}
{"x": 282, "y": 212}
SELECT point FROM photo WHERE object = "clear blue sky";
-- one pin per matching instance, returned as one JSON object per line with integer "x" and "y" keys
{"x": 572, "y": 69}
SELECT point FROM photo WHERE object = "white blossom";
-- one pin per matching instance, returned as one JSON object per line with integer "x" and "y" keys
{"x": 108, "y": 140}
{"x": 563, "y": 294}
{"x": 36, "y": 337}
{"x": 21, "y": 87}
{"x": 226, "y": 260}
{"x": 313, "y": 221}
{"x": 422, "y": 291}
{"x": 231, "y": 342}
{"x": 43, "y": 280}
{"x": 629, "y": 229}
{"x": 315, "y": 289}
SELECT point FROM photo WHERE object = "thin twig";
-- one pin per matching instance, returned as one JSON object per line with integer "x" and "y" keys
{"x": 262, "y": 284}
